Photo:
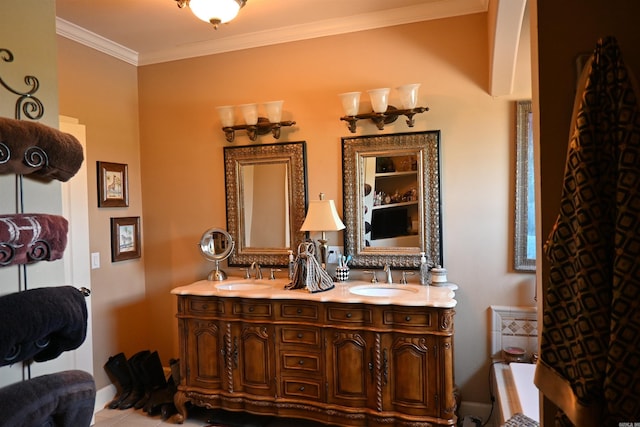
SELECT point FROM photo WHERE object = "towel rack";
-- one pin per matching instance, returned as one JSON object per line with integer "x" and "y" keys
{"x": 33, "y": 109}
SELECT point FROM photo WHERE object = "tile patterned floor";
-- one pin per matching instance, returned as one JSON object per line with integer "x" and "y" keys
{"x": 198, "y": 417}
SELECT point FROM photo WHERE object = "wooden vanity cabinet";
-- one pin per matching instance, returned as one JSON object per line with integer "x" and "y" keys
{"x": 336, "y": 363}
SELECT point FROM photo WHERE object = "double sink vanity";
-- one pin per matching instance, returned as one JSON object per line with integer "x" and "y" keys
{"x": 360, "y": 354}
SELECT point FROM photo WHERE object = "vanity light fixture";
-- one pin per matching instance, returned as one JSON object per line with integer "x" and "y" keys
{"x": 322, "y": 216}
{"x": 254, "y": 124}
{"x": 214, "y": 11}
{"x": 383, "y": 113}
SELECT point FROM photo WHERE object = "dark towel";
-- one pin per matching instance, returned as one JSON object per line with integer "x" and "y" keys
{"x": 589, "y": 363}
{"x": 63, "y": 399}
{"x": 27, "y": 238}
{"x": 41, "y": 323}
{"x": 31, "y": 147}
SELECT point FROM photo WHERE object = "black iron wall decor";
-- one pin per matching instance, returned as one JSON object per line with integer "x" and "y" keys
{"x": 27, "y": 103}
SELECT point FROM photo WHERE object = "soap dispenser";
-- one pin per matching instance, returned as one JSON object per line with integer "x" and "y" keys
{"x": 291, "y": 265}
{"x": 425, "y": 274}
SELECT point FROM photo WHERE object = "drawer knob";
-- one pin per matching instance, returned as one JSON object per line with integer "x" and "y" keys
{"x": 301, "y": 388}
{"x": 301, "y": 362}
{"x": 299, "y": 311}
{"x": 408, "y": 318}
{"x": 205, "y": 306}
{"x": 251, "y": 309}
{"x": 299, "y": 335}
{"x": 349, "y": 315}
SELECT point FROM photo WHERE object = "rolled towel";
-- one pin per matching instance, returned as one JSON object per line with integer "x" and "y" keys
{"x": 31, "y": 147}
{"x": 64, "y": 399}
{"x": 41, "y": 323}
{"x": 28, "y": 238}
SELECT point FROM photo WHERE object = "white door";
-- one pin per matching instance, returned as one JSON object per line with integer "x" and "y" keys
{"x": 76, "y": 259}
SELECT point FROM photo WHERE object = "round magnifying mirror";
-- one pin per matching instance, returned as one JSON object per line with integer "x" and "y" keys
{"x": 216, "y": 245}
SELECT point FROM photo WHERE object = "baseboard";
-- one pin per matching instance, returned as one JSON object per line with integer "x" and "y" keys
{"x": 476, "y": 409}
{"x": 104, "y": 396}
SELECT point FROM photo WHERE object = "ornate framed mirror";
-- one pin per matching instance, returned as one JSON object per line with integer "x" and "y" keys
{"x": 266, "y": 188}
{"x": 525, "y": 220}
{"x": 391, "y": 192}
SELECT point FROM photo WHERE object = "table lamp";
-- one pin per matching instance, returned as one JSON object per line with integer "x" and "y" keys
{"x": 322, "y": 216}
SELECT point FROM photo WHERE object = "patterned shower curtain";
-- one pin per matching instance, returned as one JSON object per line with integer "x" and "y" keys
{"x": 589, "y": 363}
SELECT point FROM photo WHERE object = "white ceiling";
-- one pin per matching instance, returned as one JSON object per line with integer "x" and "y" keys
{"x": 151, "y": 31}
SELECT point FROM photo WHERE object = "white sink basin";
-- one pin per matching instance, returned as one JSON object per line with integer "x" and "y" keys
{"x": 382, "y": 291}
{"x": 241, "y": 286}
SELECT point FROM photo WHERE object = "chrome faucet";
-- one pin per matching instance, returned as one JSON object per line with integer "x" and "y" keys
{"x": 256, "y": 266}
{"x": 387, "y": 269}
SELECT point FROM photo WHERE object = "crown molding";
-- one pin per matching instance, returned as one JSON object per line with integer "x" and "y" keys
{"x": 95, "y": 41}
{"x": 407, "y": 15}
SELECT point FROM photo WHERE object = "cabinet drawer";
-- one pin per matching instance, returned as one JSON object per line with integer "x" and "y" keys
{"x": 201, "y": 305}
{"x": 410, "y": 317}
{"x": 253, "y": 309}
{"x": 308, "y": 364}
{"x": 301, "y": 388}
{"x": 349, "y": 315}
{"x": 291, "y": 335}
{"x": 291, "y": 311}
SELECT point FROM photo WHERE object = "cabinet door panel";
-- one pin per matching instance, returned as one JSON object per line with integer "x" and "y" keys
{"x": 256, "y": 359}
{"x": 349, "y": 370}
{"x": 412, "y": 374}
{"x": 205, "y": 367}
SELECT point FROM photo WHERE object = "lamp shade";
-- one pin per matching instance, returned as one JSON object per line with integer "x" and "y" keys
{"x": 250, "y": 113}
{"x": 408, "y": 95}
{"x": 322, "y": 216}
{"x": 274, "y": 110}
{"x": 350, "y": 102}
{"x": 227, "y": 117}
{"x": 215, "y": 11}
{"x": 379, "y": 99}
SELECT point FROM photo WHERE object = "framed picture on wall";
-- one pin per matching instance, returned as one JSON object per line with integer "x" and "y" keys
{"x": 125, "y": 238}
{"x": 113, "y": 185}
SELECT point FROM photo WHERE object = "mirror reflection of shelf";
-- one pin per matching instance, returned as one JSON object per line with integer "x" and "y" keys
{"x": 395, "y": 174}
{"x": 395, "y": 205}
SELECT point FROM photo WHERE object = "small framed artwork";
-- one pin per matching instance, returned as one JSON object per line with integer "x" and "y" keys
{"x": 125, "y": 238}
{"x": 113, "y": 185}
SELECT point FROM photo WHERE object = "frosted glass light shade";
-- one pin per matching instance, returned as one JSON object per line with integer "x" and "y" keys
{"x": 350, "y": 102}
{"x": 218, "y": 11}
{"x": 379, "y": 99}
{"x": 227, "y": 117}
{"x": 408, "y": 95}
{"x": 274, "y": 111}
{"x": 250, "y": 113}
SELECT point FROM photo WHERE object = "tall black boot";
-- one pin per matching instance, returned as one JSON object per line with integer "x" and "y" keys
{"x": 169, "y": 408}
{"x": 137, "y": 386}
{"x": 156, "y": 379}
{"x": 117, "y": 369}
{"x": 146, "y": 382}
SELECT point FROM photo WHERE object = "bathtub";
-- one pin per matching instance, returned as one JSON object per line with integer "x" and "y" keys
{"x": 515, "y": 393}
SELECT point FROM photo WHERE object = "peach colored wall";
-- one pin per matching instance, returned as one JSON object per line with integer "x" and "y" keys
{"x": 102, "y": 92}
{"x": 182, "y": 163}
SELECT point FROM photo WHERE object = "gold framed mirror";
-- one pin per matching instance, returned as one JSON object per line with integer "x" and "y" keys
{"x": 266, "y": 191}
{"x": 391, "y": 190}
{"x": 524, "y": 239}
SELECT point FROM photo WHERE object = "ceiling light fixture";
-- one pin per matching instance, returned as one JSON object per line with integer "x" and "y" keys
{"x": 214, "y": 11}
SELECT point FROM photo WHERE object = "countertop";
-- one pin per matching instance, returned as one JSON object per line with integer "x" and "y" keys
{"x": 343, "y": 292}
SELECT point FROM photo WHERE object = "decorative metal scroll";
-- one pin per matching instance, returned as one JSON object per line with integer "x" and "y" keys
{"x": 32, "y": 108}
{"x": 27, "y": 103}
